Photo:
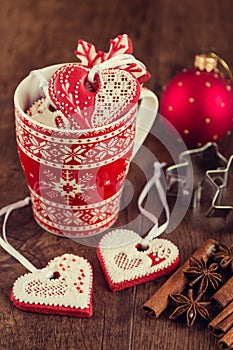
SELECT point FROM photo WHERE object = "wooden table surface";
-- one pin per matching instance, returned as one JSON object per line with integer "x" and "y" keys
{"x": 166, "y": 35}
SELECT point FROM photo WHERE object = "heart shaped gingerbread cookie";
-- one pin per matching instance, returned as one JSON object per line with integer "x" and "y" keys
{"x": 88, "y": 105}
{"x": 126, "y": 262}
{"x": 64, "y": 287}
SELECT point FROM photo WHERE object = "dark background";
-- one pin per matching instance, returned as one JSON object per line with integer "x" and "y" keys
{"x": 166, "y": 35}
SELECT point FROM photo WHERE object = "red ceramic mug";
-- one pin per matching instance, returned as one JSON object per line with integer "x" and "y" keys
{"x": 76, "y": 177}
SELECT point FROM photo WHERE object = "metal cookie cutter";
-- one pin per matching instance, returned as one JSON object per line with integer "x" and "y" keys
{"x": 191, "y": 169}
{"x": 220, "y": 184}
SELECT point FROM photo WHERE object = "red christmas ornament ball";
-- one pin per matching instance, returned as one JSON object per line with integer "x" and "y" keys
{"x": 199, "y": 104}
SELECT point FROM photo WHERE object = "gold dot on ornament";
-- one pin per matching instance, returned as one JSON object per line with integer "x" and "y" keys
{"x": 180, "y": 83}
{"x": 222, "y": 104}
{"x": 170, "y": 108}
{"x": 207, "y": 120}
{"x": 216, "y": 75}
{"x": 185, "y": 70}
{"x": 207, "y": 84}
{"x": 191, "y": 99}
{"x": 186, "y": 131}
{"x": 197, "y": 72}
{"x": 228, "y": 132}
{"x": 228, "y": 87}
{"x": 215, "y": 137}
{"x": 199, "y": 144}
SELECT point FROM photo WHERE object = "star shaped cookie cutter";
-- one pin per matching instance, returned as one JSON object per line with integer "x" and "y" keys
{"x": 191, "y": 169}
{"x": 218, "y": 182}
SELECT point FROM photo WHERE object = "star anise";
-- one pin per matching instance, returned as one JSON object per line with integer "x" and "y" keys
{"x": 224, "y": 255}
{"x": 199, "y": 272}
{"x": 189, "y": 306}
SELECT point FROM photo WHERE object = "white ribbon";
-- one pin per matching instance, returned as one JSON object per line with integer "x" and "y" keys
{"x": 155, "y": 181}
{"x": 43, "y": 84}
{"x": 4, "y": 242}
{"x": 113, "y": 62}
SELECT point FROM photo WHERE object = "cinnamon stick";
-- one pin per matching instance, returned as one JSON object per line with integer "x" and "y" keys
{"x": 222, "y": 322}
{"x": 224, "y": 295}
{"x": 176, "y": 283}
{"x": 226, "y": 342}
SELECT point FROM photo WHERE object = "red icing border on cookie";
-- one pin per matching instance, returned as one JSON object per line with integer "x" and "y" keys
{"x": 130, "y": 283}
{"x": 54, "y": 310}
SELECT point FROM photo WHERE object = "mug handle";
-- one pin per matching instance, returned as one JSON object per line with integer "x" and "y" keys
{"x": 146, "y": 115}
